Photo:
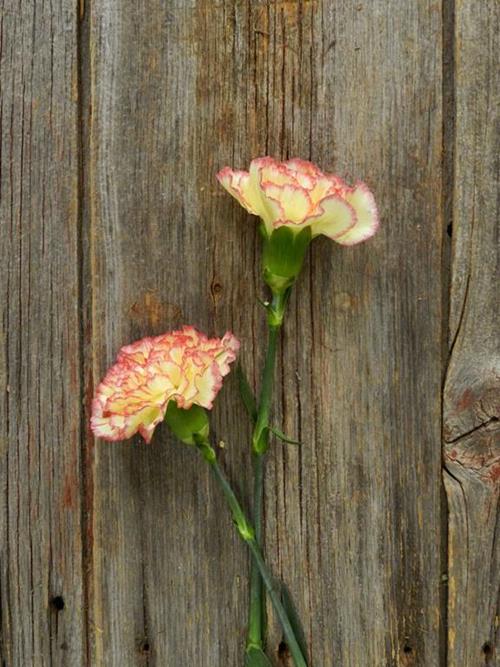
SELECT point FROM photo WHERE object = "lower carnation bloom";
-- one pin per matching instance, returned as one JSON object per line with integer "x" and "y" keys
{"x": 182, "y": 366}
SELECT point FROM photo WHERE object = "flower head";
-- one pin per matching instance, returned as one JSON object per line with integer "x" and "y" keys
{"x": 182, "y": 366}
{"x": 296, "y": 194}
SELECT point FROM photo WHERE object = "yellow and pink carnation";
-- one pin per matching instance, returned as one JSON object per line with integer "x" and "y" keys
{"x": 184, "y": 366}
{"x": 296, "y": 193}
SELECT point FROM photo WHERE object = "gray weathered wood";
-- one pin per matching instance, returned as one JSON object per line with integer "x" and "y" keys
{"x": 472, "y": 390}
{"x": 115, "y": 118}
{"x": 362, "y": 359}
{"x": 178, "y": 92}
{"x": 168, "y": 571}
{"x": 40, "y": 380}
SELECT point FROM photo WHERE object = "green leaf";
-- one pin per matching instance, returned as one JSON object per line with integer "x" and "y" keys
{"x": 246, "y": 393}
{"x": 255, "y": 657}
{"x": 284, "y": 438}
{"x": 293, "y": 617}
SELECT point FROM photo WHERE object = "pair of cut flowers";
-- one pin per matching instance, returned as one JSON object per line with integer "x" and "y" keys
{"x": 178, "y": 375}
{"x": 185, "y": 367}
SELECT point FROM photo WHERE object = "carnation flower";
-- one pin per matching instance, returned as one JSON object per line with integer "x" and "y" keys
{"x": 296, "y": 194}
{"x": 182, "y": 366}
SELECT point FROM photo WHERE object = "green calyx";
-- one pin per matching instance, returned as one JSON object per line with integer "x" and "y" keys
{"x": 190, "y": 426}
{"x": 283, "y": 256}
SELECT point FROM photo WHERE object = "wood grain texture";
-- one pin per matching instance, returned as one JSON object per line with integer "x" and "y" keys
{"x": 42, "y": 610}
{"x": 177, "y": 93}
{"x": 362, "y": 356}
{"x": 168, "y": 570}
{"x": 472, "y": 390}
{"x": 115, "y": 118}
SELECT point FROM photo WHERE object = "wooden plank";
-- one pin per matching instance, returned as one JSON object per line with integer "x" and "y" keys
{"x": 168, "y": 571}
{"x": 353, "y": 520}
{"x": 358, "y": 512}
{"x": 472, "y": 390}
{"x": 41, "y": 589}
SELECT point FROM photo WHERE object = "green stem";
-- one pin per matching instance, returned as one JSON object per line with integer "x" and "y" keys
{"x": 260, "y": 435}
{"x": 247, "y": 533}
{"x": 256, "y": 615}
{"x": 260, "y": 438}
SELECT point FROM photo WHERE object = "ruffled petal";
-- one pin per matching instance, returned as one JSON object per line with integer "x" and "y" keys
{"x": 230, "y": 345}
{"x": 270, "y": 209}
{"x": 294, "y": 202}
{"x": 303, "y": 167}
{"x": 367, "y": 219}
{"x": 237, "y": 183}
{"x": 335, "y": 218}
{"x": 208, "y": 385}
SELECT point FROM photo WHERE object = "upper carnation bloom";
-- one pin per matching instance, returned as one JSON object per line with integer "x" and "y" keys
{"x": 297, "y": 194}
{"x": 184, "y": 366}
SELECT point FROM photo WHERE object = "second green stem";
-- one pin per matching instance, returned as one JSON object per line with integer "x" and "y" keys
{"x": 259, "y": 447}
{"x": 247, "y": 533}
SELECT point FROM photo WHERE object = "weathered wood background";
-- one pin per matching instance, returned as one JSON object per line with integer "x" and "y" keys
{"x": 115, "y": 116}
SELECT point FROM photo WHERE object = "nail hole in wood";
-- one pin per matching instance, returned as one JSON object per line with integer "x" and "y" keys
{"x": 407, "y": 648}
{"x": 282, "y": 650}
{"x": 487, "y": 648}
{"x": 449, "y": 230}
{"x": 144, "y": 646}
{"x": 57, "y": 602}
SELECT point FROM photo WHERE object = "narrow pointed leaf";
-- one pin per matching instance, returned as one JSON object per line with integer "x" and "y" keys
{"x": 246, "y": 393}
{"x": 294, "y": 618}
{"x": 284, "y": 438}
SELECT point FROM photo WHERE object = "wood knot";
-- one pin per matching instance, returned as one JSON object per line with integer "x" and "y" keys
{"x": 478, "y": 453}
{"x": 149, "y": 310}
{"x": 345, "y": 301}
{"x": 216, "y": 290}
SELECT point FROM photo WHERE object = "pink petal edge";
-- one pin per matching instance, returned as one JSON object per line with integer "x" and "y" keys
{"x": 371, "y": 229}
